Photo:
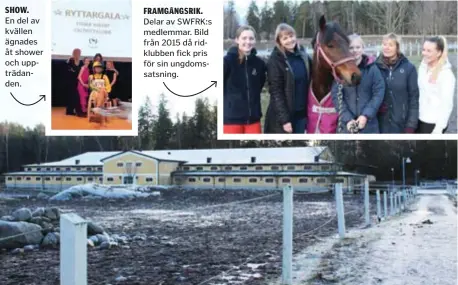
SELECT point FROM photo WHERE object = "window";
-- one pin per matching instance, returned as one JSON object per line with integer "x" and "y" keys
{"x": 68, "y": 179}
{"x": 79, "y": 179}
{"x": 340, "y": 180}
{"x": 38, "y": 179}
{"x": 38, "y": 168}
{"x": 303, "y": 180}
{"x": 253, "y": 159}
{"x": 258, "y": 168}
{"x": 321, "y": 180}
{"x": 269, "y": 180}
{"x": 222, "y": 179}
{"x": 100, "y": 179}
{"x": 149, "y": 179}
{"x": 48, "y": 178}
{"x": 138, "y": 164}
{"x": 89, "y": 168}
{"x": 237, "y": 180}
{"x": 253, "y": 180}
{"x": 19, "y": 178}
{"x": 58, "y": 179}
{"x": 291, "y": 167}
{"x": 78, "y": 168}
{"x": 48, "y": 168}
{"x": 286, "y": 180}
{"x": 110, "y": 179}
{"x": 57, "y": 168}
{"x": 29, "y": 169}
{"x": 243, "y": 168}
{"x": 10, "y": 178}
{"x": 199, "y": 168}
{"x": 128, "y": 180}
{"x": 90, "y": 179}
{"x": 206, "y": 180}
{"x": 307, "y": 167}
{"x": 27, "y": 178}
{"x": 325, "y": 167}
{"x": 120, "y": 164}
{"x": 68, "y": 169}
{"x": 99, "y": 168}
{"x": 274, "y": 167}
{"x": 228, "y": 168}
{"x": 191, "y": 179}
{"x": 178, "y": 180}
{"x": 186, "y": 168}
{"x": 213, "y": 168}
{"x": 209, "y": 159}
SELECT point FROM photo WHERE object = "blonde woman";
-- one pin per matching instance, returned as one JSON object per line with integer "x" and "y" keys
{"x": 244, "y": 78}
{"x": 437, "y": 87}
{"x": 99, "y": 84}
{"x": 288, "y": 75}
{"x": 361, "y": 103}
{"x": 399, "y": 110}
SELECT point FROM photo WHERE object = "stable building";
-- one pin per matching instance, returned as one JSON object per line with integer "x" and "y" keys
{"x": 305, "y": 168}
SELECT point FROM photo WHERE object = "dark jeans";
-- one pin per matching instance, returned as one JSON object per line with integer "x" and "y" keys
{"x": 425, "y": 128}
{"x": 299, "y": 123}
{"x": 73, "y": 99}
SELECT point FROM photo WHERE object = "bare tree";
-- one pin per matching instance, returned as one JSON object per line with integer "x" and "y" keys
{"x": 388, "y": 15}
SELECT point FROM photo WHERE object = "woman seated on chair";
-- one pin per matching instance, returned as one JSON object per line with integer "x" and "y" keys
{"x": 100, "y": 86}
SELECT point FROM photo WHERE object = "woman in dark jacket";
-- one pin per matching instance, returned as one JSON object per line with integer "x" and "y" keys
{"x": 244, "y": 78}
{"x": 288, "y": 74}
{"x": 360, "y": 103}
{"x": 399, "y": 110}
{"x": 74, "y": 65}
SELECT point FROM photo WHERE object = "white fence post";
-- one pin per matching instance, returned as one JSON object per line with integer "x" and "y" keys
{"x": 385, "y": 205}
{"x": 366, "y": 202}
{"x": 379, "y": 209}
{"x": 73, "y": 250}
{"x": 340, "y": 210}
{"x": 395, "y": 202}
{"x": 391, "y": 203}
{"x": 287, "y": 270}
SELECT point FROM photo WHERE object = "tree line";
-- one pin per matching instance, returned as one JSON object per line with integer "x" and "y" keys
{"x": 362, "y": 17}
{"x": 21, "y": 145}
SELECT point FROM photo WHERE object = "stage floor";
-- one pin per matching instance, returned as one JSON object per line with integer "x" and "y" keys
{"x": 61, "y": 121}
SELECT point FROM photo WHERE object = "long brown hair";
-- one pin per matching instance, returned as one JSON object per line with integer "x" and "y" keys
{"x": 238, "y": 33}
{"x": 441, "y": 45}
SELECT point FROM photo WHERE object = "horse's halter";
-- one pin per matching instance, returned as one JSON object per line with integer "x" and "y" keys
{"x": 332, "y": 64}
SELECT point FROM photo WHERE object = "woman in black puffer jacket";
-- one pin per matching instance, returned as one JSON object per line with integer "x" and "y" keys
{"x": 244, "y": 78}
{"x": 288, "y": 72}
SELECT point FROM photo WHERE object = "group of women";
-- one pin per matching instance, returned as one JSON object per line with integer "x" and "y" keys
{"x": 90, "y": 79}
{"x": 392, "y": 97}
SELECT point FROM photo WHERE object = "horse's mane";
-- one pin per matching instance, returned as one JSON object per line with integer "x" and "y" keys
{"x": 331, "y": 28}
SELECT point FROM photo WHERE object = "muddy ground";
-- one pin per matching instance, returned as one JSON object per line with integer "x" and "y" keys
{"x": 185, "y": 245}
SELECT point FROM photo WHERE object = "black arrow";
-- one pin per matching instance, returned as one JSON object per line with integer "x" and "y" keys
{"x": 42, "y": 97}
{"x": 213, "y": 83}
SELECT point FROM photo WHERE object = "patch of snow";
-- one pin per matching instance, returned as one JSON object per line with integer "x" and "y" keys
{"x": 401, "y": 250}
{"x": 98, "y": 191}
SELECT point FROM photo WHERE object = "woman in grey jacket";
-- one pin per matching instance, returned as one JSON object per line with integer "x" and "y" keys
{"x": 399, "y": 111}
{"x": 360, "y": 103}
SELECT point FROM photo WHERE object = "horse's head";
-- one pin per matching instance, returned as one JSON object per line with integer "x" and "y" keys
{"x": 332, "y": 50}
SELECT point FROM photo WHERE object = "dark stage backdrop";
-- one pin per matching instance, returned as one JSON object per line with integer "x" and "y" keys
{"x": 60, "y": 78}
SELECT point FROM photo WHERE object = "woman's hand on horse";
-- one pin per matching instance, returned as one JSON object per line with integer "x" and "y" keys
{"x": 288, "y": 127}
{"x": 362, "y": 121}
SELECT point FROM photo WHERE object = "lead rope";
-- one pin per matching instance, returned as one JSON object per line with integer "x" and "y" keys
{"x": 354, "y": 127}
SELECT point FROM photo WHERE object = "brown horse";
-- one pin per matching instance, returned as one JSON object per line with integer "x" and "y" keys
{"x": 332, "y": 61}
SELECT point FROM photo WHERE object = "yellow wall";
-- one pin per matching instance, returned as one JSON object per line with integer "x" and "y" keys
{"x": 259, "y": 167}
{"x": 165, "y": 170}
{"x": 148, "y": 165}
